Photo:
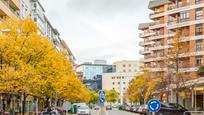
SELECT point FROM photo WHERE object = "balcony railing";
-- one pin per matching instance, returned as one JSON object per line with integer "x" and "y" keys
{"x": 142, "y": 35}
{"x": 8, "y": 6}
{"x": 174, "y": 6}
{"x": 144, "y": 52}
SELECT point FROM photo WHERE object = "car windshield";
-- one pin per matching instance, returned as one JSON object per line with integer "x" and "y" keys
{"x": 83, "y": 107}
{"x": 177, "y": 105}
{"x": 167, "y": 105}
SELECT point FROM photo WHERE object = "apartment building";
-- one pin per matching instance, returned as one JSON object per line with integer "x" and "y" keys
{"x": 35, "y": 10}
{"x": 119, "y": 80}
{"x": 167, "y": 17}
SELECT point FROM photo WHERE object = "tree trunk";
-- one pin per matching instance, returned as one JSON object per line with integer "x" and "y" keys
{"x": 24, "y": 100}
{"x": 177, "y": 94}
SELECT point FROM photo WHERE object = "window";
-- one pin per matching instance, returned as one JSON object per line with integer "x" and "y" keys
{"x": 130, "y": 70}
{"x": 184, "y": 16}
{"x": 124, "y": 65}
{"x": 113, "y": 83}
{"x": 35, "y": 19}
{"x": 199, "y": 29}
{"x": 124, "y": 70}
{"x": 129, "y": 65}
{"x": 123, "y": 82}
{"x": 123, "y": 88}
{"x": 198, "y": 61}
{"x": 122, "y": 77}
{"x": 118, "y": 83}
{"x": 199, "y": 13}
{"x": 113, "y": 77}
{"x": 35, "y": 5}
{"x": 199, "y": 45}
{"x": 135, "y": 70}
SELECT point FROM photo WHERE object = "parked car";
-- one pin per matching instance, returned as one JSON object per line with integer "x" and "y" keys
{"x": 127, "y": 108}
{"x": 121, "y": 107}
{"x": 61, "y": 111}
{"x": 96, "y": 107}
{"x": 83, "y": 110}
{"x": 143, "y": 109}
{"x": 134, "y": 108}
{"x": 171, "y": 109}
{"x": 108, "y": 107}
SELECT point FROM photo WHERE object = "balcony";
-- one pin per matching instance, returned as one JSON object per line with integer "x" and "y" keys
{"x": 159, "y": 47}
{"x": 15, "y": 4}
{"x": 157, "y": 14}
{"x": 160, "y": 36}
{"x": 176, "y": 9}
{"x": 5, "y": 8}
{"x": 144, "y": 35}
{"x": 193, "y": 69}
{"x": 142, "y": 52}
{"x": 177, "y": 23}
{"x": 146, "y": 43}
{"x": 157, "y": 69}
{"x": 158, "y": 25}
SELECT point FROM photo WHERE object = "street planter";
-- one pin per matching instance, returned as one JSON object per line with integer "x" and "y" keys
{"x": 200, "y": 71}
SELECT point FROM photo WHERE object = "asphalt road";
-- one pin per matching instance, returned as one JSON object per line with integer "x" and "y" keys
{"x": 112, "y": 112}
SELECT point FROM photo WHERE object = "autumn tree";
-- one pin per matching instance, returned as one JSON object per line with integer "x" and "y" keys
{"x": 94, "y": 97}
{"x": 141, "y": 88}
{"x": 176, "y": 58}
{"x": 30, "y": 65}
{"x": 111, "y": 96}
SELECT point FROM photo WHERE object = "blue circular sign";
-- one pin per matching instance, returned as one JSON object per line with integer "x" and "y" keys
{"x": 154, "y": 105}
{"x": 102, "y": 100}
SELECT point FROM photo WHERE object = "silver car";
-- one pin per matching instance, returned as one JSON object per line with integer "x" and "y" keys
{"x": 83, "y": 110}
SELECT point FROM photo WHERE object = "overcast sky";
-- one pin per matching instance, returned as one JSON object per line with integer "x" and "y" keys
{"x": 99, "y": 29}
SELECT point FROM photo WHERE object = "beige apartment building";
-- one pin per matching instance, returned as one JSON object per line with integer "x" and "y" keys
{"x": 119, "y": 80}
{"x": 168, "y": 16}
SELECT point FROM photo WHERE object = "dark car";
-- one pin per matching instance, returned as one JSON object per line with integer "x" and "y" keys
{"x": 171, "y": 109}
{"x": 108, "y": 107}
{"x": 134, "y": 108}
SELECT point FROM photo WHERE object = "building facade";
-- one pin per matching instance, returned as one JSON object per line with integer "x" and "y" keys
{"x": 167, "y": 17}
{"x": 92, "y": 73}
{"x": 119, "y": 80}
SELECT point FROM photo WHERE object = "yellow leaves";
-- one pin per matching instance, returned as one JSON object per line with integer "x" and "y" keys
{"x": 72, "y": 89}
{"x": 111, "y": 96}
{"x": 142, "y": 87}
{"x": 28, "y": 62}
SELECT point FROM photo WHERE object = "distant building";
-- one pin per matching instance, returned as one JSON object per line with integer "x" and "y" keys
{"x": 92, "y": 74}
{"x": 119, "y": 80}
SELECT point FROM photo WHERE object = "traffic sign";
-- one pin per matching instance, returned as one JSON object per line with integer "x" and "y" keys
{"x": 102, "y": 100}
{"x": 101, "y": 96}
{"x": 154, "y": 105}
{"x": 101, "y": 93}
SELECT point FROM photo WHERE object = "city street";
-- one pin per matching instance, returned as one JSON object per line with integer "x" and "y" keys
{"x": 112, "y": 112}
